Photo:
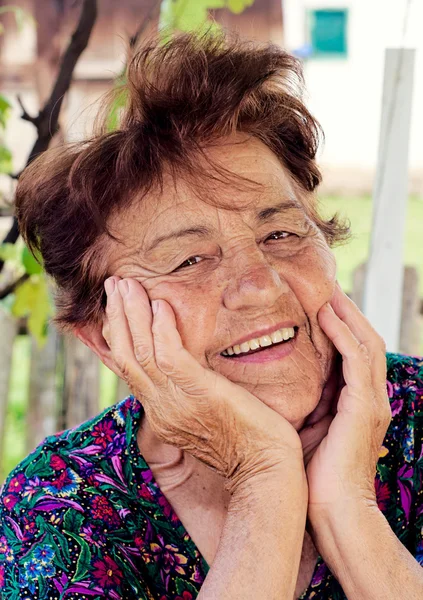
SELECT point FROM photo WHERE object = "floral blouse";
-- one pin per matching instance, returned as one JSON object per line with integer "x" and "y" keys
{"x": 82, "y": 516}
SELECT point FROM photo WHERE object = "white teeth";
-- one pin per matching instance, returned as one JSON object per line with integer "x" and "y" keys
{"x": 276, "y": 337}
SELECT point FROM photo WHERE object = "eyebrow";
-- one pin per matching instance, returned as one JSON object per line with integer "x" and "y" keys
{"x": 262, "y": 216}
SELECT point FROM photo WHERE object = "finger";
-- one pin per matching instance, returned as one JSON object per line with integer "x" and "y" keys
{"x": 356, "y": 361}
{"x": 136, "y": 305}
{"x": 121, "y": 342}
{"x": 157, "y": 344}
{"x": 172, "y": 358}
{"x": 361, "y": 328}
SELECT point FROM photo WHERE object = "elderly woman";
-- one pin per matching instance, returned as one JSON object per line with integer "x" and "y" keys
{"x": 260, "y": 455}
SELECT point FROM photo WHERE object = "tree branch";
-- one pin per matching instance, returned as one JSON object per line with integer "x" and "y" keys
{"x": 47, "y": 120}
{"x": 133, "y": 40}
{"x": 12, "y": 286}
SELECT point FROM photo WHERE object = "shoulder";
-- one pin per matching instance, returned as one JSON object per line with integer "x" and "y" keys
{"x": 405, "y": 381}
{"x": 55, "y": 513}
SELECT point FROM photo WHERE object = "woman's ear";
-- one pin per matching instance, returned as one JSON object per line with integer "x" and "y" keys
{"x": 97, "y": 338}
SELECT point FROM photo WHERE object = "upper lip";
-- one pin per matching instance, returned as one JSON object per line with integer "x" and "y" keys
{"x": 261, "y": 332}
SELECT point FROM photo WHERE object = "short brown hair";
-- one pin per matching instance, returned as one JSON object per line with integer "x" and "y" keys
{"x": 180, "y": 97}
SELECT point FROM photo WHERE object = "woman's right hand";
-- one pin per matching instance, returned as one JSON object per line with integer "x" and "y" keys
{"x": 187, "y": 405}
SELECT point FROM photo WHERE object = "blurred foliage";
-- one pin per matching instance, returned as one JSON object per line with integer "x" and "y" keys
{"x": 31, "y": 298}
{"x": 5, "y": 154}
{"x": 186, "y": 15}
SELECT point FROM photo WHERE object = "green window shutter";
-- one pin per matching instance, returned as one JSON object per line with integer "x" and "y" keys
{"x": 328, "y": 32}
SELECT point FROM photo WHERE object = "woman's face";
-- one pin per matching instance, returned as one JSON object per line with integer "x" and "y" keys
{"x": 240, "y": 278}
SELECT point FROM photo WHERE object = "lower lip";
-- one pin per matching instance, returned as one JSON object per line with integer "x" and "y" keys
{"x": 271, "y": 353}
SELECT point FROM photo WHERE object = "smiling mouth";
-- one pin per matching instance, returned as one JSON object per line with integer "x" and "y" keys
{"x": 265, "y": 343}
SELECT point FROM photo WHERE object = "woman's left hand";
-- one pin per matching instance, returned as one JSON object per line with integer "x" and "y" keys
{"x": 353, "y": 422}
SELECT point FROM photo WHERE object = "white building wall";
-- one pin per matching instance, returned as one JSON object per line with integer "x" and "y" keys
{"x": 345, "y": 93}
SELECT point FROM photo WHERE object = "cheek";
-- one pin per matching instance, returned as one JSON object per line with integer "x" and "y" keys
{"x": 313, "y": 281}
{"x": 195, "y": 308}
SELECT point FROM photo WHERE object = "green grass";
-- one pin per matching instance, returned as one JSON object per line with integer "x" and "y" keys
{"x": 359, "y": 212}
{"x": 349, "y": 256}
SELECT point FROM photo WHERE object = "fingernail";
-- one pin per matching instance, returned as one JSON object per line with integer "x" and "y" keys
{"x": 123, "y": 287}
{"x": 155, "y": 306}
{"x": 109, "y": 286}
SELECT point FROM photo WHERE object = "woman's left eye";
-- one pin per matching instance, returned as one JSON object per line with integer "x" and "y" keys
{"x": 189, "y": 262}
{"x": 278, "y": 235}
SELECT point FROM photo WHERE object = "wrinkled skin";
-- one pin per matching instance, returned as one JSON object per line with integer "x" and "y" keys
{"x": 241, "y": 281}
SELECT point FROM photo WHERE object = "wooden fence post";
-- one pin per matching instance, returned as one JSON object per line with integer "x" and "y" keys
{"x": 8, "y": 330}
{"x": 122, "y": 390}
{"x": 410, "y": 326}
{"x": 81, "y": 384}
{"x": 383, "y": 286}
{"x": 41, "y": 419}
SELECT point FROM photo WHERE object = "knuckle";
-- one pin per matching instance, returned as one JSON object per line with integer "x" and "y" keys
{"x": 363, "y": 352}
{"x": 165, "y": 364}
{"x": 144, "y": 354}
{"x": 123, "y": 368}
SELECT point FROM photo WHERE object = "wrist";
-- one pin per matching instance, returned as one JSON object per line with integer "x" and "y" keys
{"x": 278, "y": 485}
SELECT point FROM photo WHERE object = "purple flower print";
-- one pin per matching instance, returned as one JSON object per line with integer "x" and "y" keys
{"x": 93, "y": 535}
{"x": 29, "y": 527}
{"x": 102, "y": 509}
{"x": 106, "y": 573}
{"x": 32, "y": 486}
{"x": 383, "y": 494}
{"x": 116, "y": 445}
{"x": 66, "y": 484}
{"x": 4, "y": 547}
{"x": 168, "y": 557}
{"x": 396, "y": 406}
{"x": 103, "y": 433}
{"x": 16, "y": 483}
{"x": 10, "y": 501}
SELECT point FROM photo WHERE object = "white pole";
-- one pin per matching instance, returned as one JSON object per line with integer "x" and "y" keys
{"x": 383, "y": 286}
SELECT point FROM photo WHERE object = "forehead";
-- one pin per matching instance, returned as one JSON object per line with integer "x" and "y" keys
{"x": 256, "y": 179}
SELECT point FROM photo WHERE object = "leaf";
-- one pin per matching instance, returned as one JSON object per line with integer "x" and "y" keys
{"x": 32, "y": 263}
{"x": 6, "y": 165}
{"x": 72, "y": 521}
{"x": 117, "y": 106}
{"x": 49, "y": 540}
{"x": 237, "y": 6}
{"x": 187, "y": 15}
{"x": 185, "y": 586}
{"x": 5, "y": 107}
{"x": 10, "y": 252}
{"x": 84, "y": 558}
{"x": 183, "y": 15}
{"x": 32, "y": 299}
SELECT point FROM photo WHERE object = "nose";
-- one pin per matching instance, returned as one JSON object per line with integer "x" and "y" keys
{"x": 254, "y": 285}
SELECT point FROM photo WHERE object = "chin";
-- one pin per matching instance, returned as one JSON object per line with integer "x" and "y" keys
{"x": 295, "y": 404}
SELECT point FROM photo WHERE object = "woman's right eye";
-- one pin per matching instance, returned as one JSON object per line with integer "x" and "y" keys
{"x": 189, "y": 262}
